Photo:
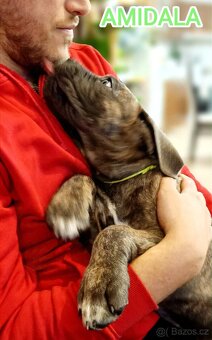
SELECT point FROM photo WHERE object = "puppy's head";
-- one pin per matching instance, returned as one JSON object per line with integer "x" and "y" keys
{"x": 118, "y": 137}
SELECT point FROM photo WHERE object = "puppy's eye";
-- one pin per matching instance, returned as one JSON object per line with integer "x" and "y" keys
{"x": 107, "y": 82}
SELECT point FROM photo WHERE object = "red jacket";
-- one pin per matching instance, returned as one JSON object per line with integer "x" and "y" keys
{"x": 40, "y": 274}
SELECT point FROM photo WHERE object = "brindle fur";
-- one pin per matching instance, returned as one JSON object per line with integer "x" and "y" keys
{"x": 118, "y": 138}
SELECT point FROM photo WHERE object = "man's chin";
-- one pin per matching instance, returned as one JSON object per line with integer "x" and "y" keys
{"x": 63, "y": 54}
{"x": 48, "y": 62}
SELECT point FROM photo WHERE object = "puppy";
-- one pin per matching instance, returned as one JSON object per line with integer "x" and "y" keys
{"x": 128, "y": 156}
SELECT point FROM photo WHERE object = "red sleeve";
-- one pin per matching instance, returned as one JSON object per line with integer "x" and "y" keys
{"x": 204, "y": 191}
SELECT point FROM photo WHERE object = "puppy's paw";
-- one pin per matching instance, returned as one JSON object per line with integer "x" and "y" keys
{"x": 68, "y": 211}
{"x": 103, "y": 295}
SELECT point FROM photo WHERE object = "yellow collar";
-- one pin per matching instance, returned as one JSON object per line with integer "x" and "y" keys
{"x": 141, "y": 172}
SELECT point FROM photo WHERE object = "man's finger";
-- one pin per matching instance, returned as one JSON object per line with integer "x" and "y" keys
{"x": 168, "y": 184}
{"x": 187, "y": 184}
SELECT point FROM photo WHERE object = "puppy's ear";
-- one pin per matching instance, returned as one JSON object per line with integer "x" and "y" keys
{"x": 170, "y": 161}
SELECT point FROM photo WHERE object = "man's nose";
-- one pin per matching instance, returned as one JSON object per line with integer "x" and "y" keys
{"x": 78, "y": 7}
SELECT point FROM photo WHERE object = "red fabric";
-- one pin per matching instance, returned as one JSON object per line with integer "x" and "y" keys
{"x": 40, "y": 274}
{"x": 207, "y": 194}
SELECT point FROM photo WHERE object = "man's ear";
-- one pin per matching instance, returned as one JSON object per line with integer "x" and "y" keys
{"x": 170, "y": 161}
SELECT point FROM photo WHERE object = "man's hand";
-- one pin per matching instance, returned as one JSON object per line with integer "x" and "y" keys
{"x": 184, "y": 215}
{"x": 186, "y": 222}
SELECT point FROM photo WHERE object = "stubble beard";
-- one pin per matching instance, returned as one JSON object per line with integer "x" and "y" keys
{"x": 26, "y": 47}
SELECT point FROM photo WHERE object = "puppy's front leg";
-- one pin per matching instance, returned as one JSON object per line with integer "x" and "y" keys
{"x": 104, "y": 288}
{"x": 79, "y": 206}
{"x": 69, "y": 210}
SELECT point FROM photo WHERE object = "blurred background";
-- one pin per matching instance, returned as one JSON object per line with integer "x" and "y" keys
{"x": 170, "y": 72}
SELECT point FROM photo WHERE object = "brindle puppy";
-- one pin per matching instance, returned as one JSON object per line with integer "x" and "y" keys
{"x": 118, "y": 139}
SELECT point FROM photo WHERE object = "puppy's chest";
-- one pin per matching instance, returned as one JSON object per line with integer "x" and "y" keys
{"x": 137, "y": 213}
{"x": 134, "y": 203}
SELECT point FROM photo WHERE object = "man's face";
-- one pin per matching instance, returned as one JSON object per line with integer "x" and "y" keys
{"x": 31, "y": 30}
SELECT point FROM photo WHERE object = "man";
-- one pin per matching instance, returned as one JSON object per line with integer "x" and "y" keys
{"x": 40, "y": 275}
